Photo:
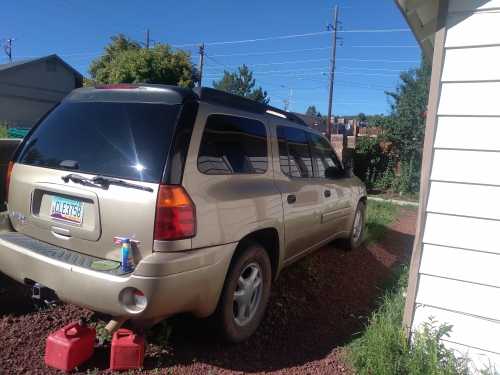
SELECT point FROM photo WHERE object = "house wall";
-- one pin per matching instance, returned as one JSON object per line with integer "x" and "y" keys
{"x": 28, "y": 92}
{"x": 459, "y": 269}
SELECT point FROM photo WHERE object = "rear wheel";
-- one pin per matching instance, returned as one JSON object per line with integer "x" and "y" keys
{"x": 245, "y": 295}
{"x": 358, "y": 228}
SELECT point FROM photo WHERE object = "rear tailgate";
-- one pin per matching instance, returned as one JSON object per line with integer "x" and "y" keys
{"x": 119, "y": 139}
{"x": 105, "y": 213}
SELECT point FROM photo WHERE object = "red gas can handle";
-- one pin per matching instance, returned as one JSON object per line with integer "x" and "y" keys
{"x": 75, "y": 325}
{"x": 123, "y": 334}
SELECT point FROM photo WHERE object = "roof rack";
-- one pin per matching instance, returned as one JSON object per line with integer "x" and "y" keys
{"x": 221, "y": 97}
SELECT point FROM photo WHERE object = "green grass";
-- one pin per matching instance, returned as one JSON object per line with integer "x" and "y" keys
{"x": 379, "y": 215}
{"x": 382, "y": 349}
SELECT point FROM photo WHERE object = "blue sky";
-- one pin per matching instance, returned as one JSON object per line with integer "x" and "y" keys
{"x": 368, "y": 62}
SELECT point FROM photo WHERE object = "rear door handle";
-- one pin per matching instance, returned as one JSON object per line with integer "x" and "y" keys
{"x": 328, "y": 193}
{"x": 291, "y": 199}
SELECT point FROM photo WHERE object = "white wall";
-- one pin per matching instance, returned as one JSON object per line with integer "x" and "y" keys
{"x": 459, "y": 276}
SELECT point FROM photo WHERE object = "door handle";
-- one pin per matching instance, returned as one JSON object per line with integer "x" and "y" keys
{"x": 291, "y": 199}
{"x": 328, "y": 193}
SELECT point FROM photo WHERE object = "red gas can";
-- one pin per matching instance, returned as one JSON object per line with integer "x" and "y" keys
{"x": 127, "y": 350}
{"x": 69, "y": 346}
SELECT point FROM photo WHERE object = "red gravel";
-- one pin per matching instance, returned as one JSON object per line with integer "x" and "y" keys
{"x": 316, "y": 307}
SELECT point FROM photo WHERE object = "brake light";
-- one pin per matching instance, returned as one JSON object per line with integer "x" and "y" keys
{"x": 175, "y": 214}
{"x": 10, "y": 166}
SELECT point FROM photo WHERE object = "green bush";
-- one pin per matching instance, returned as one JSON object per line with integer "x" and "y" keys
{"x": 383, "y": 349}
{"x": 372, "y": 165}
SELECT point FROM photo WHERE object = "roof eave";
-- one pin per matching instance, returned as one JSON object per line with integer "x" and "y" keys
{"x": 423, "y": 29}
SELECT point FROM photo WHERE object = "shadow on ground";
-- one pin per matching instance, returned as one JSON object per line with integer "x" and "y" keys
{"x": 317, "y": 305}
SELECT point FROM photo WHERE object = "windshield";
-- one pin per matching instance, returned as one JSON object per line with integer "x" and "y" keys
{"x": 125, "y": 140}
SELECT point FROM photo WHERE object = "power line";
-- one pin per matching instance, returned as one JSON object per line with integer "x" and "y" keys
{"x": 292, "y": 36}
{"x": 334, "y": 26}
{"x": 317, "y": 60}
{"x": 284, "y": 62}
{"x": 273, "y": 52}
{"x": 383, "y": 46}
{"x": 378, "y": 60}
{"x": 215, "y": 61}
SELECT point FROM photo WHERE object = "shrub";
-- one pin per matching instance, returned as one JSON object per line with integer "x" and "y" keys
{"x": 374, "y": 165}
{"x": 383, "y": 349}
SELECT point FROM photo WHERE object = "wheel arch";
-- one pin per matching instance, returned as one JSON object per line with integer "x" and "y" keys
{"x": 269, "y": 239}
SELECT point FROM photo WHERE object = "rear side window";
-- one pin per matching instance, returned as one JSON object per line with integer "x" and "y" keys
{"x": 124, "y": 140}
{"x": 295, "y": 155}
{"x": 233, "y": 145}
{"x": 324, "y": 157}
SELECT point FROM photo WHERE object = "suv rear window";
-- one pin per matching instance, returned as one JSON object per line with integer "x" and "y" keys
{"x": 233, "y": 145}
{"x": 124, "y": 140}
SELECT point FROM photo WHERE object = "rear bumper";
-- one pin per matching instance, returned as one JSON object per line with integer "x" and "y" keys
{"x": 188, "y": 281}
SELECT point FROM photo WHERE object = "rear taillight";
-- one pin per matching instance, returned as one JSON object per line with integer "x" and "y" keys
{"x": 7, "y": 179}
{"x": 175, "y": 214}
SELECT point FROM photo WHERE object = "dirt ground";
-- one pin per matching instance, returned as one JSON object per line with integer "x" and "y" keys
{"x": 317, "y": 306}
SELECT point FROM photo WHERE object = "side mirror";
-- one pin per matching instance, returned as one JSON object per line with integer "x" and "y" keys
{"x": 348, "y": 163}
{"x": 334, "y": 172}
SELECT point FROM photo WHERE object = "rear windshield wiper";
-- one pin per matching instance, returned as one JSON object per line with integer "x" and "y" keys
{"x": 106, "y": 181}
{"x": 102, "y": 182}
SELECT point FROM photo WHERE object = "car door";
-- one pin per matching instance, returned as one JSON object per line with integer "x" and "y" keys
{"x": 301, "y": 194}
{"x": 336, "y": 188}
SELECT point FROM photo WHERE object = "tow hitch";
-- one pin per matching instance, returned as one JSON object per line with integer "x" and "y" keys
{"x": 43, "y": 296}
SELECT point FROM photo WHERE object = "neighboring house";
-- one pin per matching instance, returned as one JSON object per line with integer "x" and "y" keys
{"x": 455, "y": 268}
{"x": 30, "y": 88}
{"x": 314, "y": 122}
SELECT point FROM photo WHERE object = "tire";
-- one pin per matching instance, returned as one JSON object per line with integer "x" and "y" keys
{"x": 358, "y": 228}
{"x": 239, "y": 317}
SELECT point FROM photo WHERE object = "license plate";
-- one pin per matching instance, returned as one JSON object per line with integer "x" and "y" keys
{"x": 65, "y": 209}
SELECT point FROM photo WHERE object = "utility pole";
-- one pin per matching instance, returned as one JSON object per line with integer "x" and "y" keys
{"x": 333, "y": 27}
{"x": 147, "y": 38}
{"x": 8, "y": 48}
{"x": 202, "y": 61}
{"x": 288, "y": 101}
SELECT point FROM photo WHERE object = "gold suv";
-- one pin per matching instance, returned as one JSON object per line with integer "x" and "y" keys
{"x": 144, "y": 201}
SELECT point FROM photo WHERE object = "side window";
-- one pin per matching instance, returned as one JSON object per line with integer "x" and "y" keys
{"x": 295, "y": 156}
{"x": 324, "y": 157}
{"x": 232, "y": 145}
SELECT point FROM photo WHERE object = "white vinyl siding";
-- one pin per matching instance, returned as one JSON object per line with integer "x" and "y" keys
{"x": 462, "y": 232}
{"x": 459, "y": 275}
{"x": 466, "y": 29}
{"x": 474, "y": 167}
{"x": 479, "y": 333}
{"x": 462, "y": 65}
{"x": 472, "y": 5}
{"x": 436, "y": 262}
{"x": 464, "y": 297}
{"x": 465, "y": 200}
{"x": 470, "y": 99}
{"x": 468, "y": 133}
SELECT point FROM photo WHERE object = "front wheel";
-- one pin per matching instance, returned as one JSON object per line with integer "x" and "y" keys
{"x": 358, "y": 228}
{"x": 245, "y": 295}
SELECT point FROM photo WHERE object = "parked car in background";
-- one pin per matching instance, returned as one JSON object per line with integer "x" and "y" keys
{"x": 210, "y": 194}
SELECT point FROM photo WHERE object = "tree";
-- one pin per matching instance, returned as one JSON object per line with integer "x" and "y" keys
{"x": 362, "y": 116}
{"x": 312, "y": 111}
{"x": 406, "y": 125}
{"x": 125, "y": 61}
{"x": 241, "y": 83}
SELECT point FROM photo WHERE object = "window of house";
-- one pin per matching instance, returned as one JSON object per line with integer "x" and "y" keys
{"x": 295, "y": 155}
{"x": 323, "y": 156}
{"x": 233, "y": 145}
